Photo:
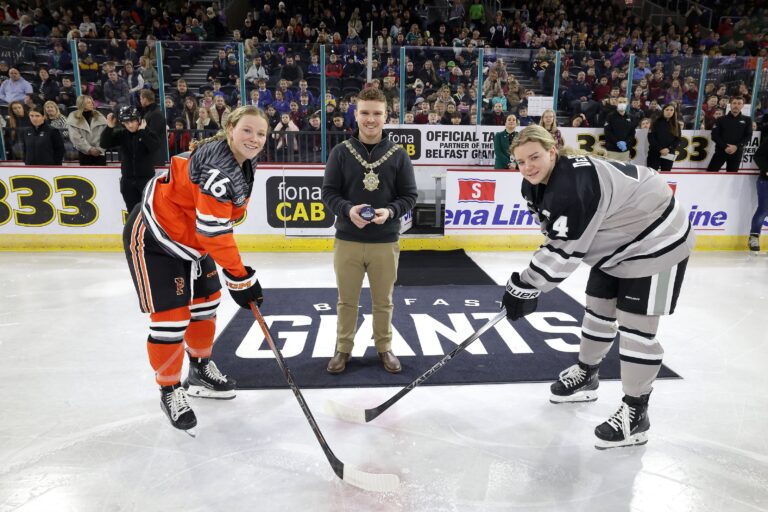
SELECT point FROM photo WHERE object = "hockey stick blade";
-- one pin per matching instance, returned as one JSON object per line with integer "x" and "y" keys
{"x": 376, "y": 482}
{"x": 355, "y": 415}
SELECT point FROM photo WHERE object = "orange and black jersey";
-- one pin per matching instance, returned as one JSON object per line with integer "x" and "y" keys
{"x": 191, "y": 209}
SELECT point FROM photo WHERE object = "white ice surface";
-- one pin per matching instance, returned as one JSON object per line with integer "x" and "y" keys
{"x": 81, "y": 427}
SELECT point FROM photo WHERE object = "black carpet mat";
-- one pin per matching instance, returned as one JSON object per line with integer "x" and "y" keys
{"x": 429, "y": 321}
{"x": 433, "y": 268}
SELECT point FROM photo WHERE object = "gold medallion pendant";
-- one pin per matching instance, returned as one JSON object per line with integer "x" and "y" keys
{"x": 371, "y": 181}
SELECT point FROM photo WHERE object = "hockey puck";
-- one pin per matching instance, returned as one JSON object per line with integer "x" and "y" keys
{"x": 367, "y": 213}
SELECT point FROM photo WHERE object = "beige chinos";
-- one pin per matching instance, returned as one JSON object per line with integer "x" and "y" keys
{"x": 351, "y": 261}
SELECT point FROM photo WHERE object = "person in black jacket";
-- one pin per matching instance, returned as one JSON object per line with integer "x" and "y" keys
{"x": 43, "y": 144}
{"x": 368, "y": 184}
{"x": 137, "y": 145}
{"x": 155, "y": 123}
{"x": 619, "y": 132}
{"x": 761, "y": 159}
{"x": 730, "y": 134}
{"x": 664, "y": 139}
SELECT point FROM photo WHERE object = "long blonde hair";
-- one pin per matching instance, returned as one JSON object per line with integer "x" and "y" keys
{"x": 80, "y": 104}
{"x": 232, "y": 120}
{"x": 55, "y": 106}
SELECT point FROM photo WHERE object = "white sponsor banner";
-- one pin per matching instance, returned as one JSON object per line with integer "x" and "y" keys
{"x": 86, "y": 201}
{"x": 483, "y": 202}
{"x": 473, "y": 145}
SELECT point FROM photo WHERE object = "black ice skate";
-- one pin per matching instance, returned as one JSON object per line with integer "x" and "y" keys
{"x": 576, "y": 384}
{"x": 754, "y": 243}
{"x": 206, "y": 381}
{"x": 173, "y": 402}
{"x": 627, "y": 427}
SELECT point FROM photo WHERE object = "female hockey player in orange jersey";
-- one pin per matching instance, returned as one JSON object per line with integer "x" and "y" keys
{"x": 173, "y": 240}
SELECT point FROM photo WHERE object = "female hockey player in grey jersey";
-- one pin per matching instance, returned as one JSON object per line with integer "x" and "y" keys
{"x": 623, "y": 221}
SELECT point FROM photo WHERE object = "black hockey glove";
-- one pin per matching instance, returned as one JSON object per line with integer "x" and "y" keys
{"x": 244, "y": 290}
{"x": 520, "y": 299}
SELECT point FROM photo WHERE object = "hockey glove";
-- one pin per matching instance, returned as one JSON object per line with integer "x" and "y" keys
{"x": 520, "y": 299}
{"x": 244, "y": 290}
{"x": 622, "y": 146}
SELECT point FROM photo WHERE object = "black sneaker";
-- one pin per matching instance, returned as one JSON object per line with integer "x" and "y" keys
{"x": 754, "y": 243}
{"x": 578, "y": 383}
{"x": 627, "y": 427}
{"x": 206, "y": 381}
{"x": 173, "y": 402}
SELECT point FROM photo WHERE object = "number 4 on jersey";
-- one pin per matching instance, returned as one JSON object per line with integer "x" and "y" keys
{"x": 560, "y": 226}
{"x": 216, "y": 188}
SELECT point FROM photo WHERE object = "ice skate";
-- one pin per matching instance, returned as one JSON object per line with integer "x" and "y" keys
{"x": 754, "y": 244}
{"x": 627, "y": 427}
{"x": 577, "y": 383}
{"x": 206, "y": 381}
{"x": 173, "y": 402}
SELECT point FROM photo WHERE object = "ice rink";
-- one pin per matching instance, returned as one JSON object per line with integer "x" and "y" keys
{"x": 81, "y": 428}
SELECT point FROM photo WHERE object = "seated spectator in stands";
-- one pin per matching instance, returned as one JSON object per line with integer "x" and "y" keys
{"x": 498, "y": 97}
{"x": 171, "y": 111}
{"x": 134, "y": 80}
{"x": 334, "y": 69}
{"x": 641, "y": 70}
{"x": 89, "y": 70}
{"x": 4, "y": 68}
{"x": 181, "y": 91}
{"x": 116, "y": 91}
{"x": 496, "y": 117}
{"x": 291, "y": 72}
{"x": 256, "y": 71}
{"x": 338, "y": 131}
{"x": 206, "y": 101}
{"x": 305, "y": 106}
{"x": 579, "y": 97}
{"x": 601, "y": 89}
{"x": 47, "y": 87}
{"x": 421, "y": 111}
{"x": 14, "y": 88}
{"x": 54, "y": 118}
{"x": 189, "y": 111}
{"x": 283, "y": 87}
{"x": 179, "y": 138}
{"x": 450, "y": 109}
{"x": 253, "y": 98}
{"x": 233, "y": 69}
{"x": 314, "y": 138}
{"x": 205, "y": 124}
{"x": 645, "y": 124}
{"x": 523, "y": 119}
{"x": 675, "y": 92}
{"x": 549, "y": 122}
{"x": 219, "y": 111}
{"x": 149, "y": 73}
{"x": 85, "y": 127}
{"x": 297, "y": 116}
{"x": 265, "y": 95}
{"x": 59, "y": 59}
{"x": 216, "y": 73}
{"x": 579, "y": 121}
{"x": 690, "y": 91}
{"x": 286, "y": 140}
{"x": 66, "y": 96}
{"x": 708, "y": 109}
{"x": 429, "y": 76}
{"x": 281, "y": 104}
{"x": 314, "y": 65}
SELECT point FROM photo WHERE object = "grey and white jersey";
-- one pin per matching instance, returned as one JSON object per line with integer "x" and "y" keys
{"x": 620, "y": 217}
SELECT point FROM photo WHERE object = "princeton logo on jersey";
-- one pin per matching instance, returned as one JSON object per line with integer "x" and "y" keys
{"x": 477, "y": 191}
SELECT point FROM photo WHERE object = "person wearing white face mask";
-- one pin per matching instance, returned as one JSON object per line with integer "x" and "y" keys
{"x": 619, "y": 132}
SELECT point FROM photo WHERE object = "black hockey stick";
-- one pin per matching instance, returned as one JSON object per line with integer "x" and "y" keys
{"x": 356, "y": 415}
{"x": 368, "y": 481}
